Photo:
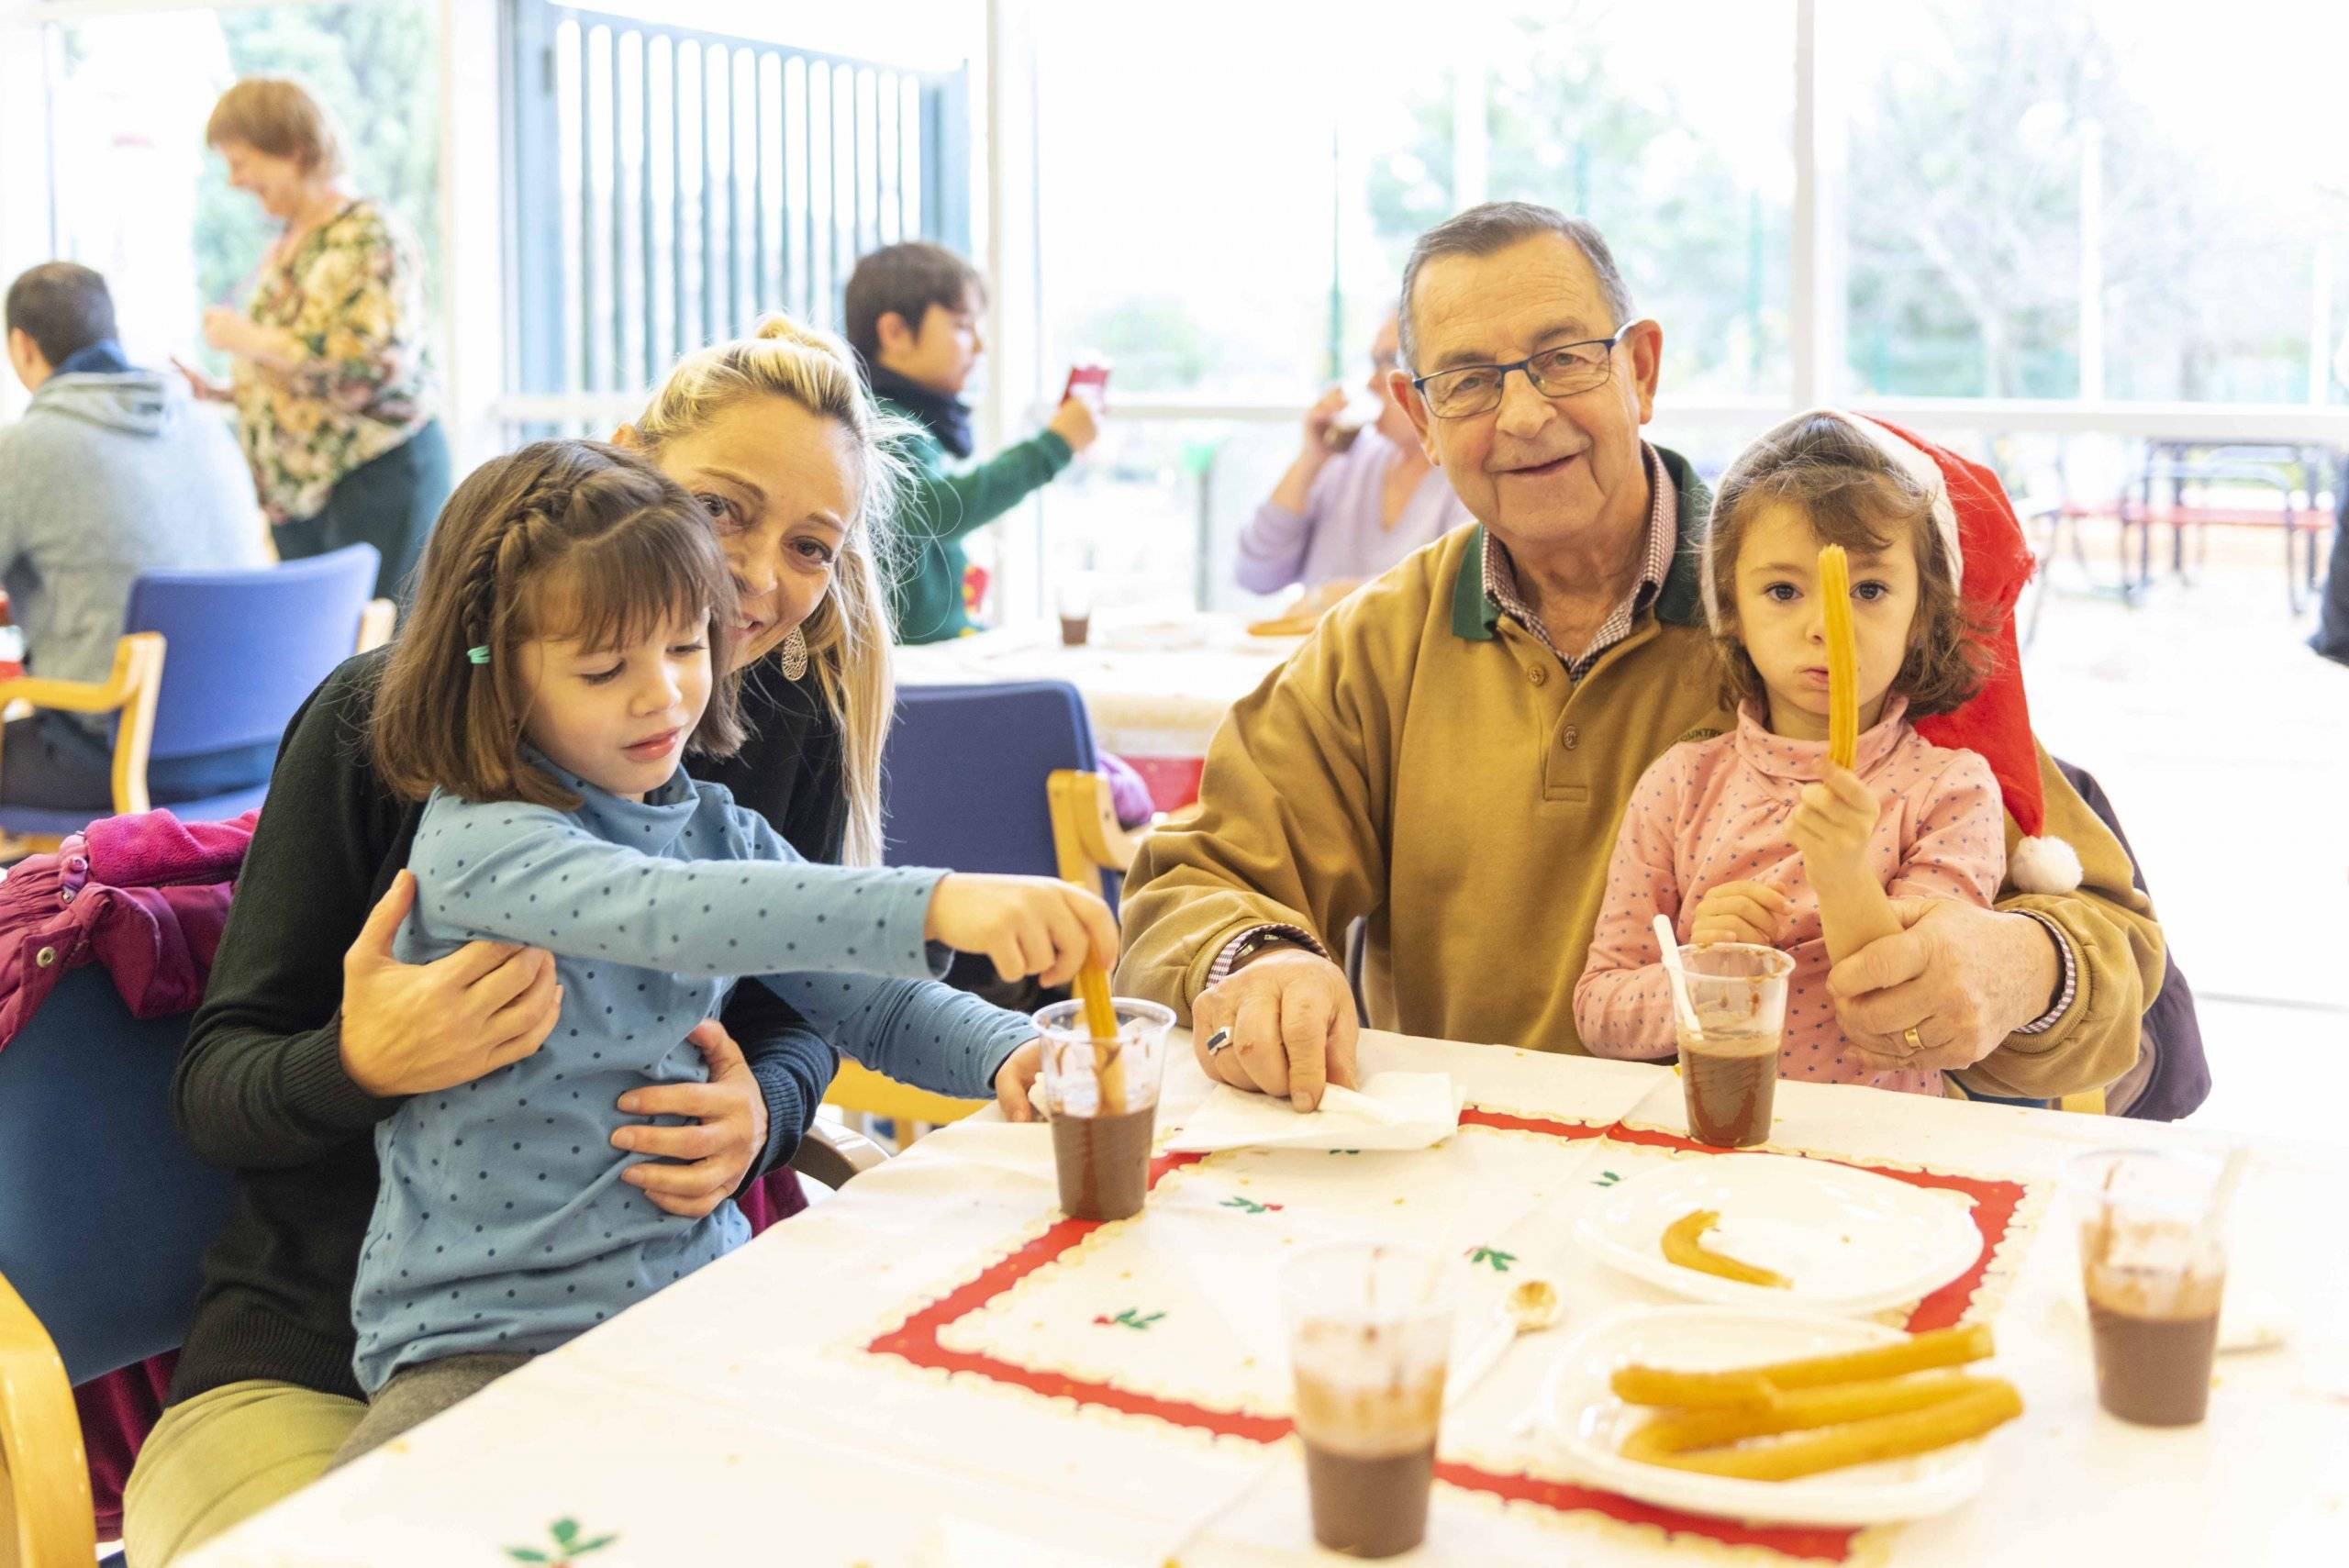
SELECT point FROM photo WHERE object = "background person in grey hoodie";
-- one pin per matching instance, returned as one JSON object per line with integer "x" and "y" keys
{"x": 112, "y": 472}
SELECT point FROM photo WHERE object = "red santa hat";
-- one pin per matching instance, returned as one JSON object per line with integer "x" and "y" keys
{"x": 1987, "y": 550}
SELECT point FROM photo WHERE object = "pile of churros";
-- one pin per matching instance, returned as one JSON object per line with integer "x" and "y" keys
{"x": 1794, "y": 1418}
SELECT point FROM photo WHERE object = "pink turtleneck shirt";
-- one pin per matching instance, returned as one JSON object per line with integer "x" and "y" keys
{"x": 1715, "y": 811}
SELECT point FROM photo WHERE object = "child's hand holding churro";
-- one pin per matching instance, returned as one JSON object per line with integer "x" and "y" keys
{"x": 1831, "y": 825}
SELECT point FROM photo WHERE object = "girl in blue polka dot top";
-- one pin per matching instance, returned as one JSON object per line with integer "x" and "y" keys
{"x": 568, "y": 644}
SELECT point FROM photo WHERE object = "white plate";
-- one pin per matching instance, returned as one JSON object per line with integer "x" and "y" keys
{"x": 1587, "y": 1424}
{"x": 1851, "y": 1241}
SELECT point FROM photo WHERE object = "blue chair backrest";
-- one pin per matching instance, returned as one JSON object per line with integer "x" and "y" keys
{"x": 243, "y": 649}
{"x": 962, "y": 782}
{"x": 105, "y": 1210}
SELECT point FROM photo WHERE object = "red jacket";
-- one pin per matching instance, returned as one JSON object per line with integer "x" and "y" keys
{"x": 145, "y": 896}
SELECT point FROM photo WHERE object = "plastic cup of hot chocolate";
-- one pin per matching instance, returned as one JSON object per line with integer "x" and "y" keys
{"x": 1370, "y": 1334}
{"x": 2152, "y": 1266}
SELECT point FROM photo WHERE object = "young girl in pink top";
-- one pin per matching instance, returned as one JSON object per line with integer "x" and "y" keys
{"x": 1756, "y": 836}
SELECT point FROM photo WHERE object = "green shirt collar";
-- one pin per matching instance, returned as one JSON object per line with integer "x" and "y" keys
{"x": 1681, "y": 603}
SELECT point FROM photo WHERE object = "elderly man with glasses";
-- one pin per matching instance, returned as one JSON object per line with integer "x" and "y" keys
{"x": 1448, "y": 759}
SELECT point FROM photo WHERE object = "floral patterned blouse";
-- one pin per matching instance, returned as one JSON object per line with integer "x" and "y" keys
{"x": 351, "y": 292}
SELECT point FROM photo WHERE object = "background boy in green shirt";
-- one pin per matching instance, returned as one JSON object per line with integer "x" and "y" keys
{"x": 912, "y": 315}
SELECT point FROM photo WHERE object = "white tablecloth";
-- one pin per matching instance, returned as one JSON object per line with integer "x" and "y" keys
{"x": 933, "y": 1369}
{"x": 1154, "y": 690}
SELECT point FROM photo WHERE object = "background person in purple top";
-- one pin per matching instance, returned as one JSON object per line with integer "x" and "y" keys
{"x": 1340, "y": 518}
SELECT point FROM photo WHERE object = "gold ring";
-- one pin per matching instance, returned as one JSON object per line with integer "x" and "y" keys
{"x": 1909, "y": 1034}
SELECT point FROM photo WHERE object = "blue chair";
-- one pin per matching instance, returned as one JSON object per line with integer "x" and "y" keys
{"x": 211, "y": 667}
{"x": 105, "y": 1216}
{"x": 987, "y": 779}
{"x": 973, "y": 778}
{"x": 101, "y": 1249}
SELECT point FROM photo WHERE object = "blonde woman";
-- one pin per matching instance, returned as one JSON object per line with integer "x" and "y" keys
{"x": 310, "y": 1033}
{"x": 334, "y": 390}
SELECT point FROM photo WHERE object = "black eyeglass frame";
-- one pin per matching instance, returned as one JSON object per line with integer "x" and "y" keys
{"x": 1500, "y": 386}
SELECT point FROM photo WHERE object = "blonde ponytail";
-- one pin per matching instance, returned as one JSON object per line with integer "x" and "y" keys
{"x": 849, "y": 635}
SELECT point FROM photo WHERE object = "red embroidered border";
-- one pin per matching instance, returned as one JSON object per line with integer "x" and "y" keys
{"x": 917, "y": 1340}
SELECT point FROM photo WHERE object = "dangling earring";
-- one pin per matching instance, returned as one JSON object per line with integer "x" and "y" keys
{"x": 795, "y": 655}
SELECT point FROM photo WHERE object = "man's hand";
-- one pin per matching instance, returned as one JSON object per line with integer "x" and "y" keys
{"x": 1013, "y": 1078}
{"x": 1964, "y": 978}
{"x": 1293, "y": 1028}
{"x": 1833, "y": 821}
{"x": 725, "y": 1131}
{"x": 1739, "y": 912}
{"x": 409, "y": 1028}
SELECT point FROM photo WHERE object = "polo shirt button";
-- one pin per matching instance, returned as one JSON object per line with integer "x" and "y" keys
{"x": 1536, "y": 674}
{"x": 1570, "y": 738}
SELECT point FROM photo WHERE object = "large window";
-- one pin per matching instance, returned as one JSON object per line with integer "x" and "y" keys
{"x": 1229, "y": 225}
{"x": 134, "y": 193}
{"x": 1233, "y": 220}
{"x": 2085, "y": 199}
{"x": 674, "y": 183}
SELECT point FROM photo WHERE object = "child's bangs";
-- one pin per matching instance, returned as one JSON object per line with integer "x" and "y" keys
{"x": 1864, "y": 512}
{"x": 631, "y": 583}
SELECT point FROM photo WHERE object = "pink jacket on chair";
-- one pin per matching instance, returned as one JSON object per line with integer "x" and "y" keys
{"x": 145, "y": 896}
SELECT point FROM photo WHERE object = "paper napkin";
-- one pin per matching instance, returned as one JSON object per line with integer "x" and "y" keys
{"x": 1390, "y": 1111}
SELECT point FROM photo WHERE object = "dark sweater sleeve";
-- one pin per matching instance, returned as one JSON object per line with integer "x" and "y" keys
{"x": 791, "y": 1063}
{"x": 260, "y": 1082}
{"x": 945, "y": 505}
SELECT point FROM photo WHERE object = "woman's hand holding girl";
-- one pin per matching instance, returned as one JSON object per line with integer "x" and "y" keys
{"x": 1027, "y": 925}
{"x": 409, "y": 1028}
{"x": 697, "y": 1165}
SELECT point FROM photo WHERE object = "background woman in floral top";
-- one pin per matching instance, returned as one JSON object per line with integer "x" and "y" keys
{"x": 333, "y": 386}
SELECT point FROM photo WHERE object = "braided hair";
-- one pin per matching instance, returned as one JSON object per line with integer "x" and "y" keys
{"x": 568, "y": 540}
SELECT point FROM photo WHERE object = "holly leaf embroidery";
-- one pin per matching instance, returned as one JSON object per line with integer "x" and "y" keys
{"x": 1131, "y": 1317}
{"x": 564, "y": 1534}
{"x": 1499, "y": 1260}
{"x": 1606, "y": 1179}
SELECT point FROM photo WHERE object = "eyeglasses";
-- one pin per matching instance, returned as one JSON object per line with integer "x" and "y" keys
{"x": 1560, "y": 372}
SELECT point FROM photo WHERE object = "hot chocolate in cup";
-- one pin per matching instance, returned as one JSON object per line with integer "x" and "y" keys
{"x": 1370, "y": 1330}
{"x": 1101, "y": 1099}
{"x": 1728, "y": 1064}
{"x": 2154, "y": 1272}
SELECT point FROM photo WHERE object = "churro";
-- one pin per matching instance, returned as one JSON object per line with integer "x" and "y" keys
{"x": 1766, "y": 1384}
{"x": 1842, "y": 657}
{"x": 1679, "y": 1431}
{"x": 1684, "y": 1244}
{"x": 1101, "y": 1023}
{"x": 1991, "y": 1403}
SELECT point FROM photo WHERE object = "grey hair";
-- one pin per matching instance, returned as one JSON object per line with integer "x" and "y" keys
{"x": 1495, "y": 226}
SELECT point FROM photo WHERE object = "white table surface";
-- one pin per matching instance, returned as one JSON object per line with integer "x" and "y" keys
{"x": 1153, "y": 688}
{"x": 745, "y": 1416}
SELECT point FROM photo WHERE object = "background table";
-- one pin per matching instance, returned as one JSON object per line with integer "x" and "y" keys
{"x": 1155, "y": 690}
{"x": 932, "y": 1368}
